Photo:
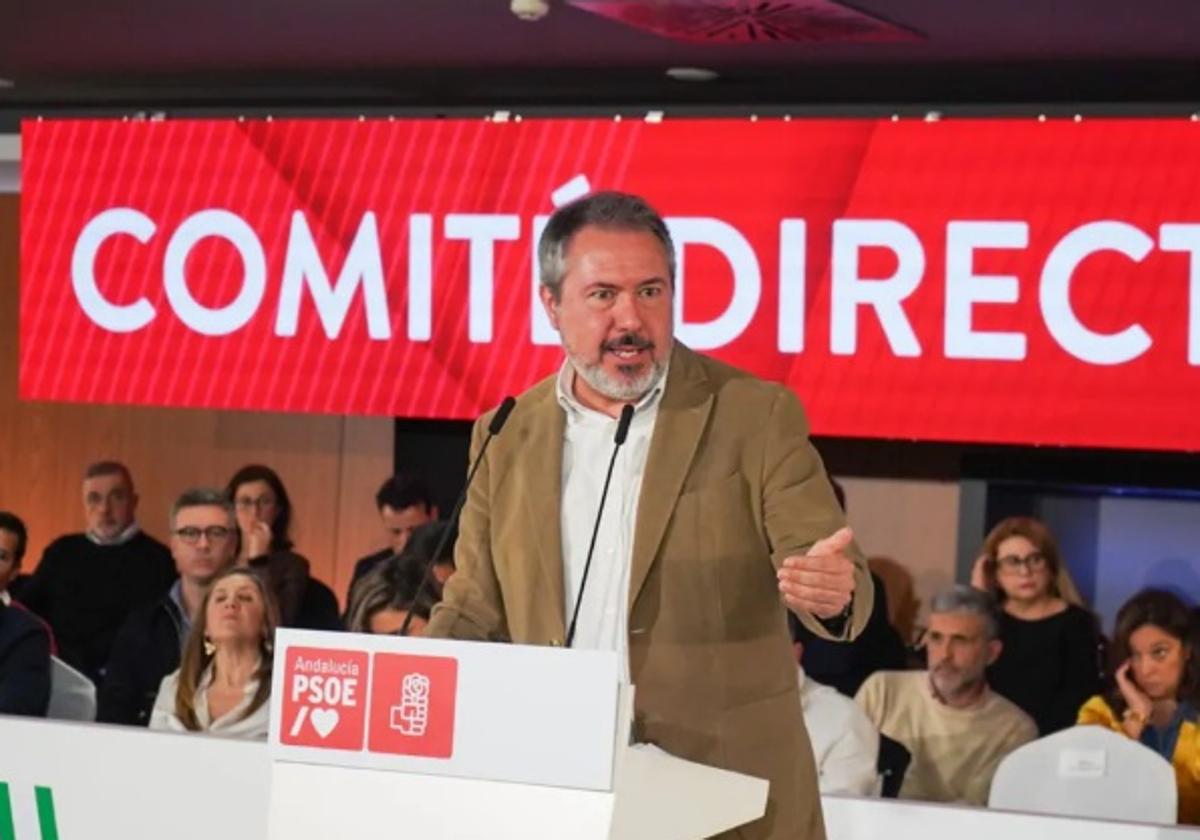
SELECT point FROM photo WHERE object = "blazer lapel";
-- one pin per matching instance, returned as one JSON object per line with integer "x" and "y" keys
{"x": 682, "y": 417}
{"x": 542, "y": 501}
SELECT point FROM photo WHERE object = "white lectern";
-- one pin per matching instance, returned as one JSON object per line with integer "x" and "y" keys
{"x": 381, "y": 736}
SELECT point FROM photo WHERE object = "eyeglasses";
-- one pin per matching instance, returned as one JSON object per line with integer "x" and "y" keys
{"x": 1035, "y": 561}
{"x": 215, "y": 533}
{"x": 261, "y": 503}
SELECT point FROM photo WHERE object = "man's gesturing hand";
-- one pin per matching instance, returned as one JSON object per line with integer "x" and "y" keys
{"x": 822, "y": 581}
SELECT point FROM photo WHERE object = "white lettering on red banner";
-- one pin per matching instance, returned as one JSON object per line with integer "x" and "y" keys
{"x": 994, "y": 280}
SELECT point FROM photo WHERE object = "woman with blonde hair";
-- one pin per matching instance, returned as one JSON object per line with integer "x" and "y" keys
{"x": 224, "y": 682}
{"x": 1049, "y": 663}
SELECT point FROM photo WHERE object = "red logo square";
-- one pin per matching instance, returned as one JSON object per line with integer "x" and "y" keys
{"x": 412, "y": 705}
{"x": 324, "y": 701}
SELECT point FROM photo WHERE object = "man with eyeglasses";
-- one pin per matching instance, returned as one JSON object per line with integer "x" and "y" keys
{"x": 87, "y": 583}
{"x": 150, "y": 643}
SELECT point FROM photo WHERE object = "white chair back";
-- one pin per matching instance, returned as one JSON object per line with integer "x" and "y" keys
{"x": 72, "y": 695}
{"x": 1087, "y": 771}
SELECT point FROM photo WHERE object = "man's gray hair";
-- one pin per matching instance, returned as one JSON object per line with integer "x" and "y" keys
{"x": 614, "y": 210}
{"x": 99, "y": 468}
{"x": 962, "y": 598}
{"x": 203, "y": 497}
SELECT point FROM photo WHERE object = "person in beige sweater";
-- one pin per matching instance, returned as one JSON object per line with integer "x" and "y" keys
{"x": 955, "y": 727}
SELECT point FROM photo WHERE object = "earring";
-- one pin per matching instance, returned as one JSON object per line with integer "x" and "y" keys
{"x": 209, "y": 648}
{"x": 267, "y": 646}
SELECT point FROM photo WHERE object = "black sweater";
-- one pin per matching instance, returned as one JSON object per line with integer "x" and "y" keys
{"x": 86, "y": 591}
{"x": 1048, "y": 667}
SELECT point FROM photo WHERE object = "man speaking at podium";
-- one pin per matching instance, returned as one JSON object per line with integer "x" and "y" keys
{"x": 718, "y": 515}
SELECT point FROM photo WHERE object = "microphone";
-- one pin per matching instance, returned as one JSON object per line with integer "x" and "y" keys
{"x": 493, "y": 429}
{"x": 619, "y": 438}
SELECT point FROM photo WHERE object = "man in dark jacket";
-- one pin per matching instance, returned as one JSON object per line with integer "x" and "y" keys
{"x": 405, "y": 503}
{"x": 24, "y": 663}
{"x": 150, "y": 642}
{"x": 86, "y": 584}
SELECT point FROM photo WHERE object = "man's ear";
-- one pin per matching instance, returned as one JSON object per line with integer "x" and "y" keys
{"x": 550, "y": 304}
{"x": 994, "y": 647}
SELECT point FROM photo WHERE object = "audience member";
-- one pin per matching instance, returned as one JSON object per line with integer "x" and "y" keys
{"x": 1049, "y": 663}
{"x": 150, "y": 642}
{"x": 24, "y": 663}
{"x": 845, "y": 744}
{"x": 86, "y": 584}
{"x": 844, "y": 665}
{"x": 13, "y": 540}
{"x": 424, "y": 543}
{"x": 1155, "y": 690}
{"x": 405, "y": 504}
{"x": 264, "y": 517}
{"x": 224, "y": 682}
{"x": 384, "y": 597}
{"x": 955, "y": 728}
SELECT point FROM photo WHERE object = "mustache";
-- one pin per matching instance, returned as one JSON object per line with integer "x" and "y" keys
{"x": 629, "y": 341}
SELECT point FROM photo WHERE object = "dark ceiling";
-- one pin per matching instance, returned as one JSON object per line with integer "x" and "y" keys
{"x": 315, "y": 55}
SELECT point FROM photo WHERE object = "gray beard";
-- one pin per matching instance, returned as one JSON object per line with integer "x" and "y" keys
{"x": 628, "y": 390}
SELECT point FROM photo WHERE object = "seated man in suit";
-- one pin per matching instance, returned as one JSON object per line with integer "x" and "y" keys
{"x": 405, "y": 504}
{"x": 24, "y": 663}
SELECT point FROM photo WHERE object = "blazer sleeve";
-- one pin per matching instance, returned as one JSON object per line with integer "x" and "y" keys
{"x": 25, "y": 672}
{"x": 799, "y": 507}
{"x": 472, "y": 607}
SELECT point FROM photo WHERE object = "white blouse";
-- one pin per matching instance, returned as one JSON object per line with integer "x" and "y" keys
{"x": 229, "y": 725}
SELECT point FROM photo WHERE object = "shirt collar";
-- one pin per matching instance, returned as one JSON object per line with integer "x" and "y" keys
{"x": 565, "y": 392}
{"x": 125, "y": 536}
{"x": 175, "y": 593}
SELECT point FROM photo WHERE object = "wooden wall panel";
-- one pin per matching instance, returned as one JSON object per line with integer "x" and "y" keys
{"x": 331, "y": 465}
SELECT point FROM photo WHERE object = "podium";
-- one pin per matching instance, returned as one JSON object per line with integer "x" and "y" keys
{"x": 384, "y": 736}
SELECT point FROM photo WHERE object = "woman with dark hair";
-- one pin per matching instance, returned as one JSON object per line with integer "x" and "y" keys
{"x": 1153, "y": 696}
{"x": 1050, "y": 662}
{"x": 264, "y": 518}
{"x": 224, "y": 681}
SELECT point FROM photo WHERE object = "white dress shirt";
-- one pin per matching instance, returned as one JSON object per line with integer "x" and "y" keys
{"x": 232, "y": 724}
{"x": 587, "y": 449}
{"x": 845, "y": 743}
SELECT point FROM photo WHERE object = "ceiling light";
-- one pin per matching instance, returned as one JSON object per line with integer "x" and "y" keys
{"x": 692, "y": 74}
{"x": 530, "y": 9}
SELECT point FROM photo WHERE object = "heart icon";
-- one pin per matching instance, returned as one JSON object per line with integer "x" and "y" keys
{"x": 324, "y": 721}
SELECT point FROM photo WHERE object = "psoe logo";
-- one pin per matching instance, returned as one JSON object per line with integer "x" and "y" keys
{"x": 17, "y": 812}
{"x": 411, "y": 716}
{"x": 413, "y": 702}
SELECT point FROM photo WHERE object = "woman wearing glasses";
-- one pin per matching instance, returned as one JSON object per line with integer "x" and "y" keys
{"x": 224, "y": 681}
{"x": 1049, "y": 663}
{"x": 264, "y": 519}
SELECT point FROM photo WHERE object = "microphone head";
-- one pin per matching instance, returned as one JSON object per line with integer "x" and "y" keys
{"x": 501, "y": 415}
{"x": 623, "y": 424}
